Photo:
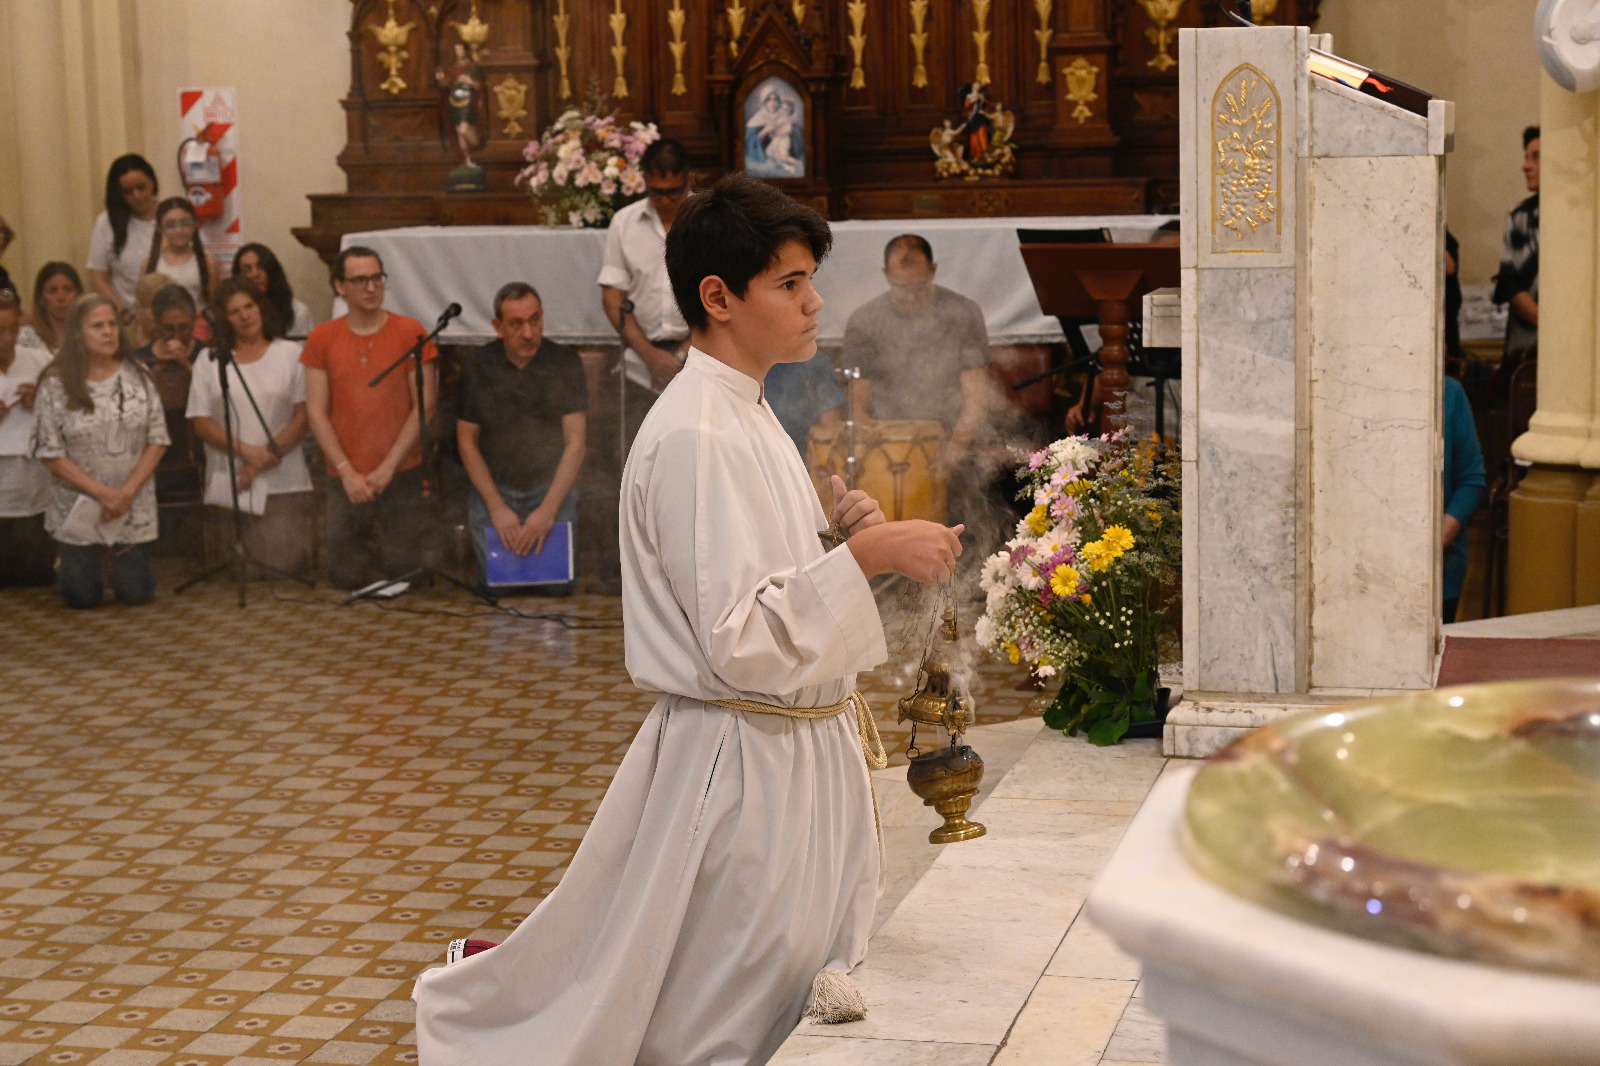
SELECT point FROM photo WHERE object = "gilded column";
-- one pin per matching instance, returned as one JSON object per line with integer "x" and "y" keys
{"x": 736, "y": 12}
{"x": 675, "y": 21}
{"x": 919, "y": 43}
{"x": 980, "y": 40}
{"x": 857, "y": 9}
{"x": 619, "y": 50}
{"x": 1044, "y": 9}
{"x": 563, "y": 25}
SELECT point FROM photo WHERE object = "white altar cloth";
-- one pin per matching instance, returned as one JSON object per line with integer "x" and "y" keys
{"x": 430, "y": 266}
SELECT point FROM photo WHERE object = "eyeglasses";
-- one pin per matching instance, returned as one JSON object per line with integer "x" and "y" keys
{"x": 367, "y": 281}
{"x": 668, "y": 194}
{"x": 178, "y": 224}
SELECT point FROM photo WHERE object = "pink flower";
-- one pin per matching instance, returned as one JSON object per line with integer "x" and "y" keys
{"x": 1037, "y": 459}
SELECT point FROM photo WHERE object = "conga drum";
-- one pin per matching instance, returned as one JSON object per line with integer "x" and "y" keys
{"x": 895, "y": 464}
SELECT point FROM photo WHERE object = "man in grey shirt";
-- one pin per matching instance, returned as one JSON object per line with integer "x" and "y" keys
{"x": 922, "y": 349}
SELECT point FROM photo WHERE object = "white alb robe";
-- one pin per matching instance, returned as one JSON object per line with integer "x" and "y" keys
{"x": 735, "y": 855}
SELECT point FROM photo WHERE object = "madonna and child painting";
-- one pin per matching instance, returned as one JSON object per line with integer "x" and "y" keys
{"x": 774, "y": 131}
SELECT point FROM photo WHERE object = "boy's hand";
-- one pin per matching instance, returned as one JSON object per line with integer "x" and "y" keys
{"x": 922, "y": 551}
{"x": 853, "y": 509}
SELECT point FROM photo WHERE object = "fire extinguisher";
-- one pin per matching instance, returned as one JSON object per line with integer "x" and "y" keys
{"x": 200, "y": 168}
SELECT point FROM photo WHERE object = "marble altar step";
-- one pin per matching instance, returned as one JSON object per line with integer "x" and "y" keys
{"x": 979, "y": 955}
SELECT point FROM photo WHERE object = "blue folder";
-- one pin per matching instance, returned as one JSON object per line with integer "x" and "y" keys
{"x": 550, "y": 565}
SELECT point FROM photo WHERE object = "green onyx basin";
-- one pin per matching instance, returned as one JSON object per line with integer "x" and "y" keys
{"x": 1465, "y": 822}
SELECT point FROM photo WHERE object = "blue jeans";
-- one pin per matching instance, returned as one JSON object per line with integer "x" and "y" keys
{"x": 81, "y": 577}
{"x": 523, "y": 502}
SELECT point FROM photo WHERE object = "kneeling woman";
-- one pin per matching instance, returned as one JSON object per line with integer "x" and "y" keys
{"x": 99, "y": 428}
{"x": 274, "y": 484}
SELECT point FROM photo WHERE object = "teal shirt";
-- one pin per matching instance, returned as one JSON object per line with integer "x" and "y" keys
{"x": 1463, "y": 480}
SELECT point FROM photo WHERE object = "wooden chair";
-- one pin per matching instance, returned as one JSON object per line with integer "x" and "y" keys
{"x": 1521, "y": 402}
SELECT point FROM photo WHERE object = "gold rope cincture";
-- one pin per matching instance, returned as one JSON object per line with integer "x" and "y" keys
{"x": 866, "y": 725}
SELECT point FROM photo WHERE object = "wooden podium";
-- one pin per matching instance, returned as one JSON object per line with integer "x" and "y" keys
{"x": 1100, "y": 281}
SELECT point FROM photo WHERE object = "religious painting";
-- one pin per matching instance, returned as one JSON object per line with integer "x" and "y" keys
{"x": 774, "y": 131}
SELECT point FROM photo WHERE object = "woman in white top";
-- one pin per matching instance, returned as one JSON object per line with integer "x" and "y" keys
{"x": 177, "y": 251}
{"x": 120, "y": 241}
{"x": 55, "y": 290}
{"x": 258, "y": 263}
{"x": 26, "y": 555}
{"x": 274, "y": 484}
{"x": 98, "y": 427}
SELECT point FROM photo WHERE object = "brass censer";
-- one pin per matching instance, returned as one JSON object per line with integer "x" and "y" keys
{"x": 948, "y": 777}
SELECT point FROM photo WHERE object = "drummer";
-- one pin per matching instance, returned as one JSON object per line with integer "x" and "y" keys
{"x": 913, "y": 344}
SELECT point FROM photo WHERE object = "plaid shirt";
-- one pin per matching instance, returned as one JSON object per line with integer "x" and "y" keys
{"x": 1519, "y": 272}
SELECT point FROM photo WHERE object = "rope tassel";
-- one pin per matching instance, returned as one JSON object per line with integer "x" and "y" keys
{"x": 834, "y": 999}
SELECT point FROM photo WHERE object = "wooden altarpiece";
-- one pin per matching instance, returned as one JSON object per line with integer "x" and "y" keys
{"x": 1092, "y": 84}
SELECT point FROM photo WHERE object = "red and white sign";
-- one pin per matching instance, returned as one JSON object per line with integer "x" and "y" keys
{"x": 208, "y": 167}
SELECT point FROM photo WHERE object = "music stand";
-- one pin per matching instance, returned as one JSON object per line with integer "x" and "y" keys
{"x": 1099, "y": 281}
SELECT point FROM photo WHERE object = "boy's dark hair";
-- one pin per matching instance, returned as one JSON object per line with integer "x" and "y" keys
{"x": 908, "y": 240}
{"x": 734, "y": 231}
{"x": 1530, "y": 135}
{"x": 355, "y": 251}
{"x": 172, "y": 298}
{"x": 665, "y": 158}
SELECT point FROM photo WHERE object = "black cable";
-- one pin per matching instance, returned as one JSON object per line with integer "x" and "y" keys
{"x": 566, "y": 621}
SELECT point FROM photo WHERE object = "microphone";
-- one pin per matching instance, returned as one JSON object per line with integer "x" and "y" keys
{"x": 449, "y": 312}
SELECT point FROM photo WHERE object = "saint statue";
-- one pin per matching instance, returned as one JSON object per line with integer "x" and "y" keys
{"x": 461, "y": 86}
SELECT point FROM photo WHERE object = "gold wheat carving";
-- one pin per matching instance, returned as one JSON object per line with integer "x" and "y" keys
{"x": 1082, "y": 77}
{"x": 798, "y": 9}
{"x": 392, "y": 37}
{"x": 1263, "y": 10}
{"x": 619, "y": 50}
{"x": 512, "y": 96}
{"x": 1245, "y": 117}
{"x": 563, "y": 24}
{"x": 676, "y": 18}
{"x": 1044, "y": 9}
{"x": 857, "y": 10}
{"x": 736, "y": 14}
{"x": 980, "y": 40}
{"x": 1163, "y": 13}
{"x": 919, "y": 43}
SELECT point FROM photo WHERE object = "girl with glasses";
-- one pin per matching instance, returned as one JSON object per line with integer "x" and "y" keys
{"x": 177, "y": 251}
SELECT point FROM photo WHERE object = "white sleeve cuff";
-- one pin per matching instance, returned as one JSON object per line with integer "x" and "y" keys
{"x": 844, "y": 591}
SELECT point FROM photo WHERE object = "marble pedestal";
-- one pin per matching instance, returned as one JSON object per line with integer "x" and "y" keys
{"x": 1311, "y": 327}
{"x": 1239, "y": 985}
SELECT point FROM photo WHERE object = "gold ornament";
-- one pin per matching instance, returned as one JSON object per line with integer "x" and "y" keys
{"x": 675, "y": 20}
{"x": 392, "y": 37}
{"x": 736, "y": 14}
{"x": 563, "y": 24}
{"x": 1263, "y": 10}
{"x": 798, "y": 9}
{"x": 473, "y": 33}
{"x": 1082, "y": 76}
{"x": 919, "y": 43}
{"x": 1043, "y": 34}
{"x": 619, "y": 51}
{"x": 858, "y": 41}
{"x": 1245, "y": 167}
{"x": 513, "y": 97}
{"x": 980, "y": 39}
{"x": 1162, "y": 13}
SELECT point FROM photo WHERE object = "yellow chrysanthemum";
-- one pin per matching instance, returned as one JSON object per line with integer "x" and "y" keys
{"x": 1039, "y": 520}
{"x": 1098, "y": 555}
{"x": 1064, "y": 580}
{"x": 1084, "y": 599}
{"x": 1076, "y": 488}
{"x": 1155, "y": 515}
{"x": 1117, "y": 538}
{"x": 1013, "y": 652}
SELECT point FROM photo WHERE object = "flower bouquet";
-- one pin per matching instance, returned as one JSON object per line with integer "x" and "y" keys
{"x": 586, "y": 168}
{"x": 1085, "y": 591}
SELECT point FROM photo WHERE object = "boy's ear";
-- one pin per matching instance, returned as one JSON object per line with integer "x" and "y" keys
{"x": 717, "y": 298}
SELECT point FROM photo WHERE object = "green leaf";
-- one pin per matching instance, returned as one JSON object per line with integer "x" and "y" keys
{"x": 1107, "y": 732}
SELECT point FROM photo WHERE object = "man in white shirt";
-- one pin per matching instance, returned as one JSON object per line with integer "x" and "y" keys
{"x": 727, "y": 883}
{"x": 635, "y": 271}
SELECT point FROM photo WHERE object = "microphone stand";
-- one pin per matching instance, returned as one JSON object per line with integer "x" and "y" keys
{"x": 239, "y": 559}
{"x": 624, "y": 309}
{"x": 430, "y": 474}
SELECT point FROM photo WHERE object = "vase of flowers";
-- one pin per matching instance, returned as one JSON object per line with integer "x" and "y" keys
{"x": 585, "y": 167}
{"x": 1085, "y": 593}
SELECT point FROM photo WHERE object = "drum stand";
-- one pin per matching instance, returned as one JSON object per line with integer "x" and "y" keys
{"x": 852, "y": 374}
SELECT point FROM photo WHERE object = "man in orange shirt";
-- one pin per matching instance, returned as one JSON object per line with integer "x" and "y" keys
{"x": 369, "y": 436}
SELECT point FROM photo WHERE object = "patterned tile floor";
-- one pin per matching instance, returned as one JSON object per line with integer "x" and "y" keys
{"x": 236, "y": 836}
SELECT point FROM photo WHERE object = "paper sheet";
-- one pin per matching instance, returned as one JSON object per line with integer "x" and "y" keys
{"x": 16, "y": 427}
{"x": 83, "y": 524}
